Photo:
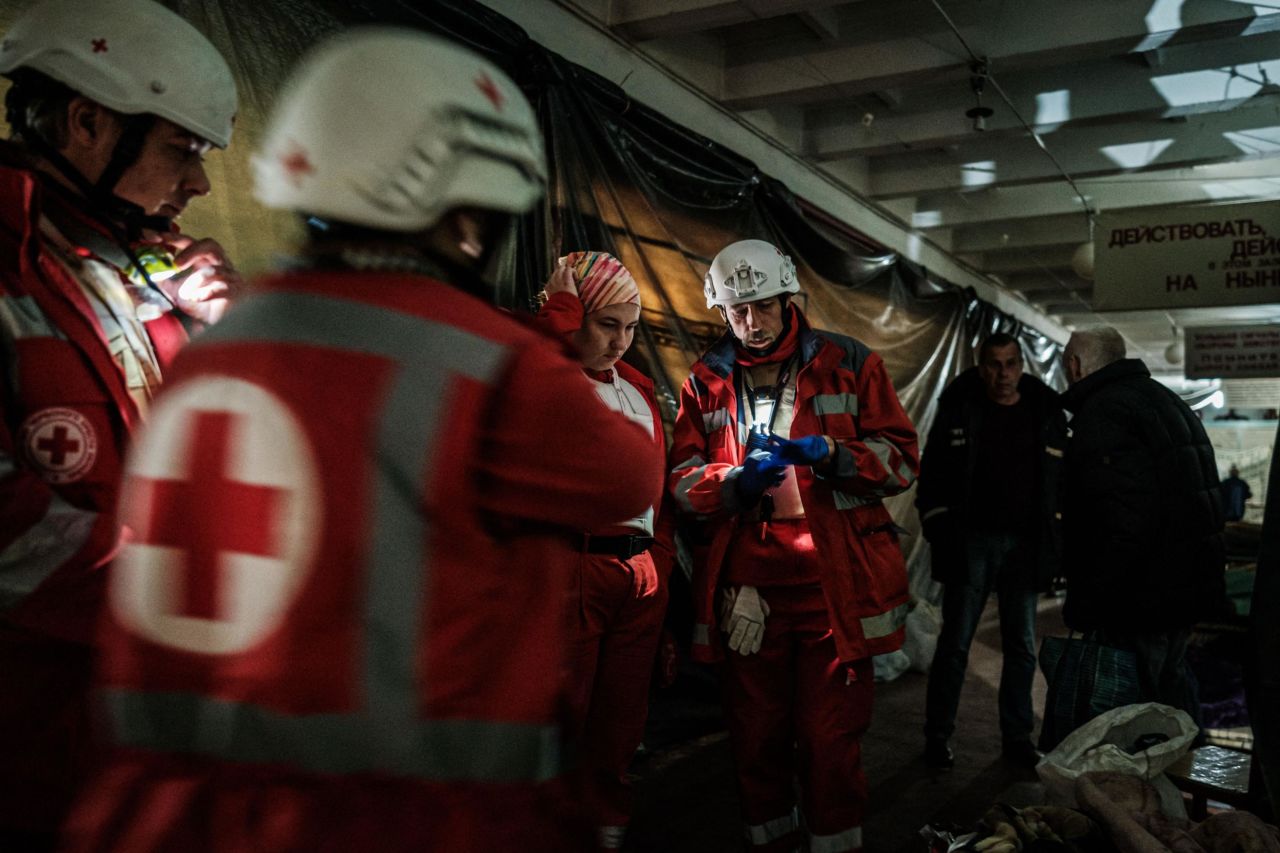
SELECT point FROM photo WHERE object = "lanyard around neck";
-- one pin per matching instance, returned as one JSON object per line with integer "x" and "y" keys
{"x": 779, "y": 389}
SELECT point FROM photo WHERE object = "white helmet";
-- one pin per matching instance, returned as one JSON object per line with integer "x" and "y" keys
{"x": 747, "y": 271}
{"x": 390, "y": 128}
{"x": 133, "y": 56}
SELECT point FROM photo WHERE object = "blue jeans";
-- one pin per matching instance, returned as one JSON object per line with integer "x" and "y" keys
{"x": 994, "y": 562}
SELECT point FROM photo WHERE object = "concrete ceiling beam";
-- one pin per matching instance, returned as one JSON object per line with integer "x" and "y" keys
{"x": 1031, "y": 33}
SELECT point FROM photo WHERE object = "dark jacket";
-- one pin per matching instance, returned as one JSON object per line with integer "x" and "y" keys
{"x": 1264, "y": 687}
{"x": 1142, "y": 513}
{"x": 947, "y": 473}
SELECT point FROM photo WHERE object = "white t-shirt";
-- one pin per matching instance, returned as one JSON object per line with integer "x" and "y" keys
{"x": 621, "y": 396}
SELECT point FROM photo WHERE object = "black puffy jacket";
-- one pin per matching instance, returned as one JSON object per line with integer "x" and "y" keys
{"x": 944, "y": 497}
{"x": 1142, "y": 518}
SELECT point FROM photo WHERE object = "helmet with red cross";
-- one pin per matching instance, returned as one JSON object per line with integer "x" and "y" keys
{"x": 132, "y": 56}
{"x": 748, "y": 271}
{"x": 391, "y": 128}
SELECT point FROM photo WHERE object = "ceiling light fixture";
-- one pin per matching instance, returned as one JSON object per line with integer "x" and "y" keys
{"x": 980, "y": 63}
{"x": 1082, "y": 259}
{"x": 978, "y": 82}
{"x": 1176, "y": 351}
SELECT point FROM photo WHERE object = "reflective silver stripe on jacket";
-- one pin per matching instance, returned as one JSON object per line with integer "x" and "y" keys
{"x": 611, "y": 837}
{"x": 884, "y": 624}
{"x": 692, "y": 469}
{"x": 440, "y": 750}
{"x": 702, "y": 634}
{"x": 43, "y": 547}
{"x": 683, "y": 487}
{"x": 386, "y": 731}
{"x": 835, "y": 404}
{"x": 694, "y": 461}
{"x": 840, "y": 842}
{"x": 719, "y": 419}
{"x": 844, "y": 500}
{"x": 884, "y": 451}
{"x": 772, "y": 830}
{"x": 21, "y": 317}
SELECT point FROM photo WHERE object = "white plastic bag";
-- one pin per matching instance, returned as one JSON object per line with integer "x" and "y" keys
{"x": 891, "y": 665}
{"x": 1103, "y": 744}
{"x": 924, "y": 624}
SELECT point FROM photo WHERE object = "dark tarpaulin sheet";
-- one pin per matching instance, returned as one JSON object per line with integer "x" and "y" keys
{"x": 658, "y": 196}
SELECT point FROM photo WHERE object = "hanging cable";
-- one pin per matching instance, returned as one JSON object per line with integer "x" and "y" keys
{"x": 982, "y": 61}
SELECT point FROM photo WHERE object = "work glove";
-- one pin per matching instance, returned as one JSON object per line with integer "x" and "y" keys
{"x": 742, "y": 618}
{"x": 761, "y": 471}
{"x": 807, "y": 450}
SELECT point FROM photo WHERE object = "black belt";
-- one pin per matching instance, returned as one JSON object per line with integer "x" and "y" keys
{"x": 622, "y": 547}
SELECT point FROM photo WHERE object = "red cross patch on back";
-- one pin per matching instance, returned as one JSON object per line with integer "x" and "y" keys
{"x": 223, "y": 498}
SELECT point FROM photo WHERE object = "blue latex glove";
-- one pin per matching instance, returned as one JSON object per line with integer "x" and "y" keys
{"x": 761, "y": 471}
{"x": 807, "y": 450}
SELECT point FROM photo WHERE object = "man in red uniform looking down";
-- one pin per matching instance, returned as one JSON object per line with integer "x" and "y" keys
{"x": 786, "y": 442}
{"x": 112, "y": 107}
{"x": 594, "y": 302}
{"x": 340, "y": 622}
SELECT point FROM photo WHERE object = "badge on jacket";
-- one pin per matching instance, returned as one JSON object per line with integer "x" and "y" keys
{"x": 60, "y": 443}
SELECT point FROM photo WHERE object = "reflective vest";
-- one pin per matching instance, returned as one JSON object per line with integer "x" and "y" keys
{"x": 842, "y": 391}
{"x": 348, "y": 521}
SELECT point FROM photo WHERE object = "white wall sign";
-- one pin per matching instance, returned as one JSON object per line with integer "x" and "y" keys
{"x": 1187, "y": 257}
{"x": 1233, "y": 351}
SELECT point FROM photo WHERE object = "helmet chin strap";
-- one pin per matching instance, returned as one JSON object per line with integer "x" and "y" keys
{"x": 122, "y": 219}
{"x": 128, "y": 149}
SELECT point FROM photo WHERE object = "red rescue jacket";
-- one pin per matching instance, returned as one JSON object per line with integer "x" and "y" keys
{"x": 562, "y": 315}
{"x": 65, "y": 419}
{"x": 843, "y": 391}
{"x": 340, "y": 619}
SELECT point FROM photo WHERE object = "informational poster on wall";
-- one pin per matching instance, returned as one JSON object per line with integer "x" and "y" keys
{"x": 1187, "y": 257}
{"x": 1232, "y": 352}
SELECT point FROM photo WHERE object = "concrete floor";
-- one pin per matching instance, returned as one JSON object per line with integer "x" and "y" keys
{"x": 686, "y": 800}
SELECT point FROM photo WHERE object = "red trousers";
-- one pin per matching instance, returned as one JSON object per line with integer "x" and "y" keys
{"x": 613, "y": 658}
{"x": 794, "y": 709}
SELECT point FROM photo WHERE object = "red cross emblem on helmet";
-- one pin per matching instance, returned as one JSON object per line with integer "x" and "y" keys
{"x": 297, "y": 165}
{"x": 490, "y": 90}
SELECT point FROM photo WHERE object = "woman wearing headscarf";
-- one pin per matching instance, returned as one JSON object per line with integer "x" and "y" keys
{"x": 593, "y": 303}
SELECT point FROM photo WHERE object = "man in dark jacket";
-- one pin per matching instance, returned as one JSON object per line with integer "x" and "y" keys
{"x": 988, "y": 503}
{"x": 1142, "y": 515}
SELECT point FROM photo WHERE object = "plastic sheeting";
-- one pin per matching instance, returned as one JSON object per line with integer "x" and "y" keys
{"x": 625, "y": 180}
{"x": 665, "y": 200}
